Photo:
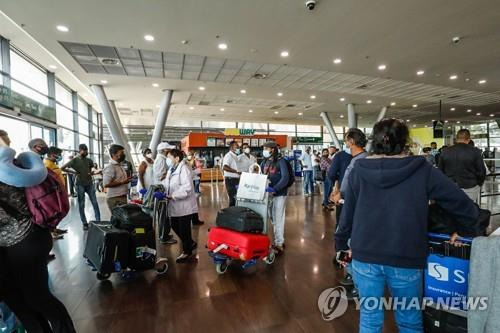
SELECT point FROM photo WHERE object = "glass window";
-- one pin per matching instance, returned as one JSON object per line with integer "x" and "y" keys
{"x": 95, "y": 117}
{"x": 64, "y": 96}
{"x": 24, "y": 71}
{"x": 83, "y": 126}
{"x": 83, "y": 109}
{"x": 28, "y": 92}
{"x": 49, "y": 135}
{"x": 94, "y": 133}
{"x": 36, "y": 132}
{"x": 66, "y": 139}
{"x": 95, "y": 147}
{"x": 282, "y": 128}
{"x": 64, "y": 116}
{"x": 17, "y": 130}
{"x": 84, "y": 139}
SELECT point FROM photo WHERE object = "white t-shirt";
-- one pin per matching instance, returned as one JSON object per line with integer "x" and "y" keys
{"x": 306, "y": 161}
{"x": 245, "y": 162}
{"x": 231, "y": 160}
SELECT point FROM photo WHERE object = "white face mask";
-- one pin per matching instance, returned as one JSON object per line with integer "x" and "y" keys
{"x": 149, "y": 155}
{"x": 170, "y": 162}
{"x": 247, "y": 150}
{"x": 190, "y": 157}
{"x": 266, "y": 153}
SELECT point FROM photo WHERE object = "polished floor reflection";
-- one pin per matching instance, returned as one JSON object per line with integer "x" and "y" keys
{"x": 194, "y": 298}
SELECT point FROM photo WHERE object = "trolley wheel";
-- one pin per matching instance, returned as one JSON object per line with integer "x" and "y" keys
{"x": 270, "y": 257}
{"x": 102, "y": 276}
{"x": 221, "y": 268}
{"x": 161, "y": 267}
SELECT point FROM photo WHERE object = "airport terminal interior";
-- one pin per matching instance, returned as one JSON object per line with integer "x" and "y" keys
{"x": 163, "y": 118}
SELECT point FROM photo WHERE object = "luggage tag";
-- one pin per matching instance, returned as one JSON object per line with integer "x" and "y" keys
{"x": 140, "y": 231}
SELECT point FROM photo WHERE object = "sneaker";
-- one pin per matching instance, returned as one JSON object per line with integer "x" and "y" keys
{"x": 346, "y": 281}
{"x": 60, "y": 231}
{"x": 351, "y": 294}
{"x": 199, "y": 223}
{"x": 182, "y": 258}
{"x": 85, "y": 226}
{"x": 169, "y": 241}
{"x": 279, "y": 249}
{"x": 56, "y": 236}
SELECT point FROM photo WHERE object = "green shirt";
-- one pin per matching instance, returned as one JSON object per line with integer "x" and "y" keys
{"x": 83, "y": 166}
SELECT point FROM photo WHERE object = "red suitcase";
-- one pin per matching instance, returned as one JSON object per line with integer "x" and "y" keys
{"x": 242, "y": 246}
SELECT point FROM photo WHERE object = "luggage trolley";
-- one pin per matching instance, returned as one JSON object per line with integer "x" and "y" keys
{"x": 222, "y": 254}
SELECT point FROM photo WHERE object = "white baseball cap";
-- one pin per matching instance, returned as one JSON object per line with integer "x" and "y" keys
{"x": 164, "y": 145}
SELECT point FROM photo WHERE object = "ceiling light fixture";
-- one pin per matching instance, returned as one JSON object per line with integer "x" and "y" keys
{"x": 453, "y": 77}
{"x": 414, "y": 125}
{"x": 243, "y": 91}
{"x": 478, "y": 114}
{"x": 201, "y": 88}
{"x": 156, "y": 85}
{"x": 250, "y": 111}
{"x": 382, "y": 67}
{"x": 222, "y": 46}
{"x": 52, "y": 67}
{"x": 284, "y": 54}
{"x": 421, "y": 72}
{"x": 222, "y": 109}
{"x": 104, "y": 81}
{"x": 157, "y": 105}
{"x": 407, "y": 120}
{"x": 342, "y": 99}
{"x": 337, "y": 61}
{"x": 341, "y": 116}
{"x": 276, "y": 112}
{"x": 452, "y": 109}
{"x": 469, "y": 110}
{"x": 458, "y": 122}
{"x": 446, "y": 121}
{"x": 393, "y": 103}
{"x": 313, "y": 96}
{"x": 482, "y": 81}
{"x": 62, "y": 28}
{"x": 369, "y": 101}
{"x": 149, "y": 38}
{"x": 415, "y": 105}
{"x": 191, "y": 108}
{"x": 492, "y": 115}
{"x": 300, "y": 113}
{"x": 279, "y": 94}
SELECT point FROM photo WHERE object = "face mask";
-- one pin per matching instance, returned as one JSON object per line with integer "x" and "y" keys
{"x": 190, "y": 157}
{"x": 59, "y": 158}
{"x": 237, "y": 151}
{"x": 266, "y": 153}
{"x": 347, "y": 150}
{"x": 170, "y": 162}
{"x": 121, "y": 158}
{"x": 84, "y": 154}
{"x": 247, "y": 150}
{"x": 43, "y": 150}
{"x": 149, "y": 155}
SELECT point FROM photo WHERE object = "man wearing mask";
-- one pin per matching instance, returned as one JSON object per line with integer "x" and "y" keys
{"x": 246, "y": 160}
{"x": 231, "y": 173}
{"x": 81, "y": 166}
{"x": 115, "y": 178}
{"x": 160, "y": 170}
{"x": 332, "y": 150}
{"x": 307, "y": 168}
{"x": 38, "y": 146}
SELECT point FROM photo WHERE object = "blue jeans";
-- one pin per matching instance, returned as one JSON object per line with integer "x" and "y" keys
{"x": 90, "y": 190}
{"x": 308, "y": 181}
{"x": 327, "y": 190}
{"x": 196, "y": 183}
{"x": 370, "y": 279}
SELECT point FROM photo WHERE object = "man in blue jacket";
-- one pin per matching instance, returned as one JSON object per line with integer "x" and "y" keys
{"x": 385, "y": 216}
{"x": 277, "y": 171}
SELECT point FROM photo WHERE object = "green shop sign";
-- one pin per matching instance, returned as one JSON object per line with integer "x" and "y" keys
{"x": 307, "y": 139}
{"x": 12, "y": 100}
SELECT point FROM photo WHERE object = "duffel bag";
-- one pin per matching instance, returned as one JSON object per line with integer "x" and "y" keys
{"x": 130, "y": 217}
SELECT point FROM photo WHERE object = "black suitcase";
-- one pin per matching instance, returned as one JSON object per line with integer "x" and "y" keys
{"x": 142, "y": 255}
{"x": 240, "y": 219}
{"x": 107, "y": 248}
{"x": 442, "y": 321}
{"x": 131, "y": 216}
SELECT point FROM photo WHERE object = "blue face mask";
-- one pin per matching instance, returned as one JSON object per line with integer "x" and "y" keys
{"x": 266, "y": 153}
{"x": 347, "y": 150}
{"x": 237, "y": 151}
{"x": 170, "y": 162}
{"x": 59, "y": 158}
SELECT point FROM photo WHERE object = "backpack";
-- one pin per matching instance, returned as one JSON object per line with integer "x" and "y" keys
{"x": 48, "y": 202}
{"x": 291, "y": 173}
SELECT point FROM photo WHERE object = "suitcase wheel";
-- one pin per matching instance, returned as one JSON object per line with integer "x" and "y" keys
{"x": 270, "y": 257}
{"x": 161, "y": 267}
{"x": 102, "y": 277}
{"x": 221, "y": 268}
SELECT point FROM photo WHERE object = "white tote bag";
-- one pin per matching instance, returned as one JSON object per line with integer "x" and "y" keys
{"x": 252, "y": 186}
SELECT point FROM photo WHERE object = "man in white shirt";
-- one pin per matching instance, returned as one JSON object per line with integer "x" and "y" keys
{"x": 231, "y": 173}
{"x": 307, "y": 168}
{"x": 160, "y": 170}
{"x": 246, "y": 160}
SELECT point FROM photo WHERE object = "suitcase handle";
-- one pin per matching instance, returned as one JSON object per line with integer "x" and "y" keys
{"x": 447, "y": 237}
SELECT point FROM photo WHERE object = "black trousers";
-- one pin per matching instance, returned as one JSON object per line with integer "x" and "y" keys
{"x": 164, "y": 222}
{"x": 231, "y": 184}
{"x": 26, "y": 285}
{"x": 182, "y": 227}
{"x": 338, "y": 211}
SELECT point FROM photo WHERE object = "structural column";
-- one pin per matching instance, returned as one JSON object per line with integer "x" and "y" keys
{"x": 161, "y": 120}
{"x": 331, "y": 130}
{"x": 351, "y": 116}
{"x": 112, "y": 121}
{"x": 380, "y": 116}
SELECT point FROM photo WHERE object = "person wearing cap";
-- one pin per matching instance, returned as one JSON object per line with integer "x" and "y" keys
{"x": 276, "y": 170}
{"x": 160, "y": 170}
{"x": 38, "y": 146}
{"x": 231, "y": 173}
{"x": 81, "y": 166}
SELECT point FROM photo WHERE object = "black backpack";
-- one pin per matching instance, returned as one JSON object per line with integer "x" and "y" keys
{"x": 291, "y": 174}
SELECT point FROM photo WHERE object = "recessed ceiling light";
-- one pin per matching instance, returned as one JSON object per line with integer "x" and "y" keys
{"x": 452, "y": 109}
{"x": 469, "y": 110}
{"x": 382, "y": 67}
{"x": 415, "y": 105}
{"x": 433, "y": 120}
{"x": 421, "y": 72}
{"x": 62, "y": 28}
{"x": 369, "y": 101}
{"x": 414, "y": 125}
{"x": 482, "y": 81}
{"x": 243, "y": 91}
{"x": 313, "y": 96}
{"x": 276, "y": 112}
{"x": 279, "y": 94}
{"x": 458, "y": 122}
{"x": 284, "y": 54}
{"x": 191, "y": 108}
{"x": 407, "y": 120}
{"x": 467, "y": 79}
{"x": 453, "y": 77}
{"x": 337, "y": 61}
{"x": 156, "y": 85}
{"x": 341, "y": 116}
{"x": 393, "y": 103}
{"x": 446, "y": 121}
{"x": 478, "y": 114}
{"x": 222, "y": 46}
{"x": 52, "y": 67}
{"x": 222, "y": 109}
{"x": 149, "y": 38}
{"x": 201, "y": 88}
{"x": 104, "y": 81}
{"x": 300, "y": 113}
{"x": 492, "y": 115}
{"x": 250, "y": 111}
{"x": 342, "y": 99}
{"x": 157, "y": 105}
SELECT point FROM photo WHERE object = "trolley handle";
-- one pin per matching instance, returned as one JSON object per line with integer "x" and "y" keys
{"x": 447, "y": 237}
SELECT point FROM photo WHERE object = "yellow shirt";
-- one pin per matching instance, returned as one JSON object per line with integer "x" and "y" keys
{"x": 55, "y": 168}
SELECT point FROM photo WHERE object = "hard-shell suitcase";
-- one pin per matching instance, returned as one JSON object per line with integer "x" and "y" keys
{"x": 107, "y": 247}
{"x": 439, "y": 321}
{"x": 131, "y": 216}
{"x": 238, "y": 245}
{"x": 240, "y": 219}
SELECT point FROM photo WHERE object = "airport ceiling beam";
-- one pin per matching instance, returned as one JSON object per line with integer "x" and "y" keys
{"x": 161, "y": 120}
{"x": 331, "y": 130}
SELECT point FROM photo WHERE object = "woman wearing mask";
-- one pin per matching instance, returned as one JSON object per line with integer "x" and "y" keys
{"x": 182, "y": 203}
{"x": 146, "y": 173}
{"x": 24, "y": 248}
